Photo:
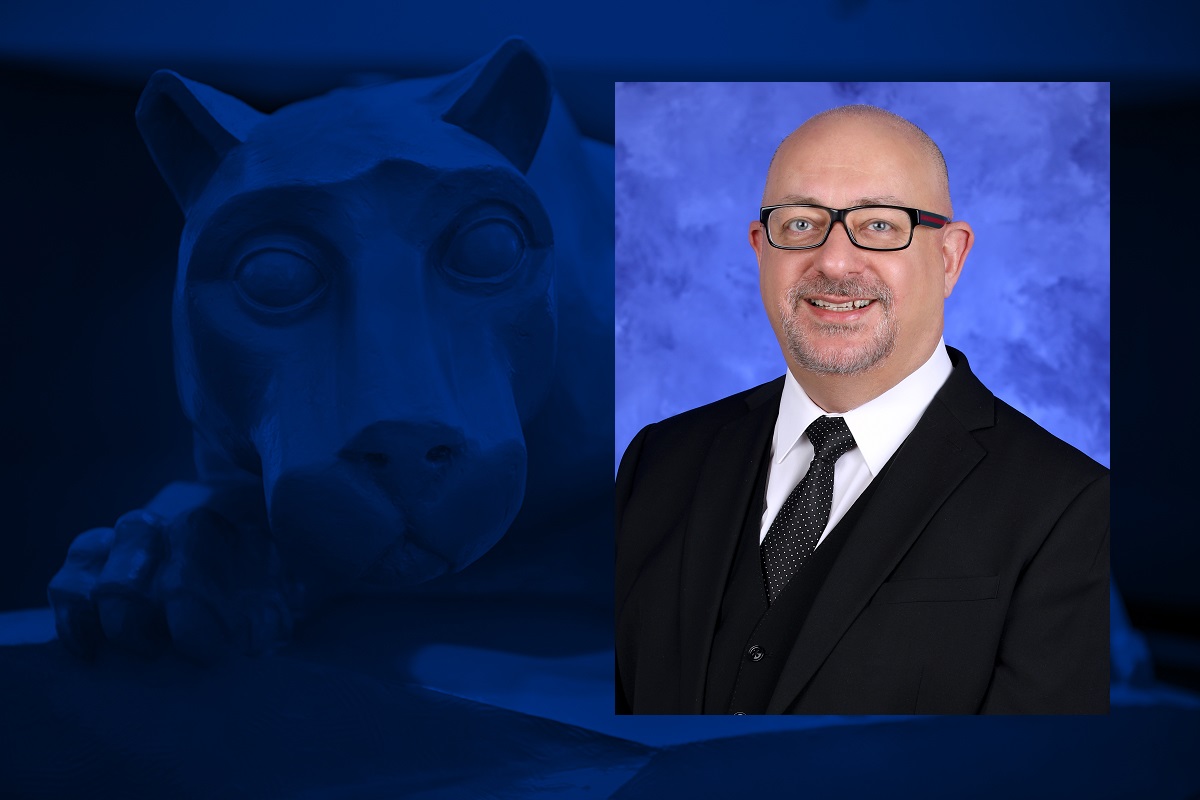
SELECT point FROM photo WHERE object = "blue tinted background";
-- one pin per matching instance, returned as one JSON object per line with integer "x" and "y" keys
{"x": 1029, "y": 169}
{"x": 91, "y": 425}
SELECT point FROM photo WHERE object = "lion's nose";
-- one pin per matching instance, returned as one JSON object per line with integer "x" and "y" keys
{"x": 407, "y": 457}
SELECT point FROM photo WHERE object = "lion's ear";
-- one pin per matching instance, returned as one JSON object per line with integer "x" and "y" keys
{"x": 505, "y": 102}
{"x": 188, "y": 128}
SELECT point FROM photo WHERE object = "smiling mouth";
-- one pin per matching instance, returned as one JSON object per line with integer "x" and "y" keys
{"x": 849, "y": 305}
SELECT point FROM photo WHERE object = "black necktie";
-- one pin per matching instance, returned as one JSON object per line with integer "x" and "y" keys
{"x": 802, "y": 518}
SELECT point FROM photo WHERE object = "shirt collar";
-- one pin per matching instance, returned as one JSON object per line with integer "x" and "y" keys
{"x": 879, "y": 426}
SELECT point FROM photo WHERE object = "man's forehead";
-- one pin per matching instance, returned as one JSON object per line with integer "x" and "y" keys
{"x": 850, "y": 150}
{"x": 873, "y": 181}
{"x": 853, "y": 161}
{"x": 867, "y": 200}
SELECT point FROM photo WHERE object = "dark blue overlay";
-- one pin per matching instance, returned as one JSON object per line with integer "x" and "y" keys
{"x": 315, "y": 346}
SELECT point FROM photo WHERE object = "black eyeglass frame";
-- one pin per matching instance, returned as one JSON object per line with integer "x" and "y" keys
{"x": 918, "y": 217}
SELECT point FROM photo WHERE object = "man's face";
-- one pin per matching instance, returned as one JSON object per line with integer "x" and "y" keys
{"x": 810, "y": 295}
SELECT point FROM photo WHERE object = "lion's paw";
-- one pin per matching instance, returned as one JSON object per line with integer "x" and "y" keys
{"x": 188, "y": 580}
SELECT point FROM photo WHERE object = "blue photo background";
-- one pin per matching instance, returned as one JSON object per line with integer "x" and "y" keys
{"x": 92, "y": 427}
{"x": 1029, "y": 169}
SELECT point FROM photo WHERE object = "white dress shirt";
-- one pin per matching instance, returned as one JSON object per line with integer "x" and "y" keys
{"x": 879, "y": 427}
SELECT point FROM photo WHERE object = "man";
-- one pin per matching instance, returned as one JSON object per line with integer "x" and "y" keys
{"x": 874, "y": 532}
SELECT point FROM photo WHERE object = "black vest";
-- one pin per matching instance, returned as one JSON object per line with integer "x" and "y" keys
{"x": 753, "y": 639}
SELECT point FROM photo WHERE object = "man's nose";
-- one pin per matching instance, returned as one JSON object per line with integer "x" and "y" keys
{"x": 839, "y": 255}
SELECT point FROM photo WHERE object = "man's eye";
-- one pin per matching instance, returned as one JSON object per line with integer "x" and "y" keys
{"x": 879, "y": 226}
{"x": 799, "y": 225}
{"x": 277, "y": 279}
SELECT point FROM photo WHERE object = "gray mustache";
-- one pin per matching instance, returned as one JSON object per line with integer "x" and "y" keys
{"x": 846, "y": 288}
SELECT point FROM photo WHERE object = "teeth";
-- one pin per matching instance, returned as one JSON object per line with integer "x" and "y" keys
{"x": 841, "y": 306}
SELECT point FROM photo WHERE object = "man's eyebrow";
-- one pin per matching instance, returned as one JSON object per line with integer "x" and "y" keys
{"x": 879, "y": 200}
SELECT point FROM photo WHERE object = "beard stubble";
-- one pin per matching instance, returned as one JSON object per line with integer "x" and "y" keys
{"x": 826, "y": 359}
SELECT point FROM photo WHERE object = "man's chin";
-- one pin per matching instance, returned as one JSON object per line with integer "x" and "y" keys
{"x": 838, "y": 357}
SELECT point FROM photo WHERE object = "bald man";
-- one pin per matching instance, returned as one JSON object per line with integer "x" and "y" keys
{"x": 874, "y": 532}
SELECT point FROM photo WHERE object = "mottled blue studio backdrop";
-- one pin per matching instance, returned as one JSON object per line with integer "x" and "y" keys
{"x": 1029, "y": 169}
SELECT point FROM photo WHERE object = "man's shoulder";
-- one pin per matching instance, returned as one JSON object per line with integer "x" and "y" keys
{"x": 1016, "y": 431}
{"x": 712, "y": 417}
{"x": 679, "y": 443}
{"x": 665, "y": 464}
{"x": 1006, "y": 432}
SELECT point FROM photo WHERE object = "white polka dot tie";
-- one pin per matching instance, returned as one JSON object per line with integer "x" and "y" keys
{"x": 803, "y": 516}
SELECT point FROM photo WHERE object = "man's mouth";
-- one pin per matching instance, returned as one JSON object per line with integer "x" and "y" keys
{"x": 849, "y": 305}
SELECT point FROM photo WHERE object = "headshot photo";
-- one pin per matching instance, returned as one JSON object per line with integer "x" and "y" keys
{"x": 862, "y": 381}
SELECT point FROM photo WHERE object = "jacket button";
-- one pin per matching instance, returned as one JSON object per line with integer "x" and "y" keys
{"x": 755, "y": 653}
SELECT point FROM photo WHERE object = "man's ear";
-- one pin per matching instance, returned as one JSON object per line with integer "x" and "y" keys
{"x": 957, "y": 238}
{"x": 758, "y": 238}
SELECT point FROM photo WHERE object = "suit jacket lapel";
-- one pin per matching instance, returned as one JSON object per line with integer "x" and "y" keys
{"x": 931, "y": 463}
{"x": 717, "y": 517}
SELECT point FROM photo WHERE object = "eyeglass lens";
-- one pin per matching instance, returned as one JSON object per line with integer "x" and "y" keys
{"x": 873, "y": 227}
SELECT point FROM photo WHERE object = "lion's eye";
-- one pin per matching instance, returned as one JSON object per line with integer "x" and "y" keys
{"x": 487, "y": 251}
{"x": 278, "y": 279}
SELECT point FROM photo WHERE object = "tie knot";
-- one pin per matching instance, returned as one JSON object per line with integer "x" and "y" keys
{"x": 830, "y": 438}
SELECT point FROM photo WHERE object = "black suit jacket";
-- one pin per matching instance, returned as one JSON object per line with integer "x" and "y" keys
{"x": 975, "y": 579}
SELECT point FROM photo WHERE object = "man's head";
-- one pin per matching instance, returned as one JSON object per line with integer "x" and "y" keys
{"x": 854, "y": 156}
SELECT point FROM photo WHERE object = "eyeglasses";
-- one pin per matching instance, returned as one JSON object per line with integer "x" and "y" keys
{"x": 803, "y": 227}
